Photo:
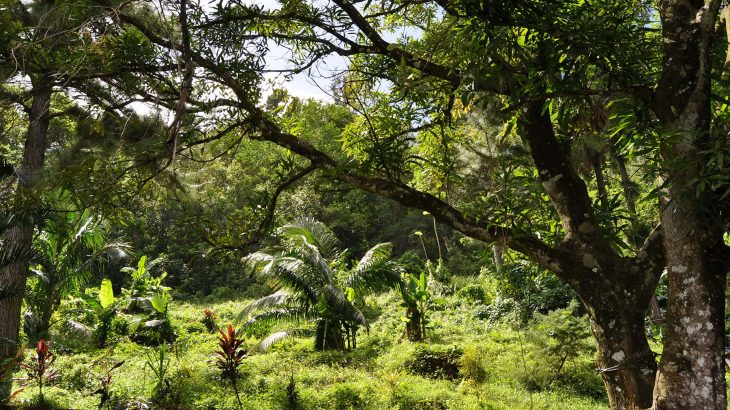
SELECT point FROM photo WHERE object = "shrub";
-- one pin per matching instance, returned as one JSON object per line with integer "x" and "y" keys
{"x": 470, "y": 364}
{"x": 436, "y": 363}
{"x": 230, "y": 358}
{"x": 555, "y": 341}
{"x": 40, "y": 367}
{"x": 209, "y": 320}
{"x": 473, "y": 292}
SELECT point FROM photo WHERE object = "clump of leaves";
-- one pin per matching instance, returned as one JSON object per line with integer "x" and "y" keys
{"x": 209, "y": 320}
{"x": 470, "y": 363}
{"x": 437, "y": 363}
{"x": 158, "y": 362}
{"x": 230, "y": 357}
{"x": 40, "y": 367}
{"x": 149, "y": 302}
{"x": 103, "y": 308}
{"x": 415, "y": 295}
{"x": 103, "y": 391}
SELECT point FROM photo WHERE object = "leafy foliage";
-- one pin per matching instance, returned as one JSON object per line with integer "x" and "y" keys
{"x": 40, "y": 368}
{"x": 70, "y": 246}
{"x": 305, "y": 270}
{"x": 209, "y": 320}
{"x": 230, "y": 357}
{"x": 149, "y": 301}
{"x": 102, "y": 306}
{"x": 105, "y": 397}
{"x": 158, "y": 361}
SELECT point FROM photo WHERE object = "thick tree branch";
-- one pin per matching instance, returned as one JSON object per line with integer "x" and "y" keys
{"x": 525, "y": 243}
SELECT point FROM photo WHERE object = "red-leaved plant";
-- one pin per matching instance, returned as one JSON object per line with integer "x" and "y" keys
{"x": 40, "y": 367}
{"x": 230, "y": 357}
{"x": 209, "y": 320}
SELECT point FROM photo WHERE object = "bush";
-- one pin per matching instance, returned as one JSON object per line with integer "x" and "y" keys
{"x": 474, "y": 293}
{"x": 556, "y": 343}
{"x": 435, "y": 362}
{"x": 501, "y": 310}
{"x": 470, "y": 364}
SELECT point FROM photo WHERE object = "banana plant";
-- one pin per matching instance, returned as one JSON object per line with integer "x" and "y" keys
{"x": 416, "y": 298}
{"x": 148, "y": 301}
{"x": 103, "y": 307}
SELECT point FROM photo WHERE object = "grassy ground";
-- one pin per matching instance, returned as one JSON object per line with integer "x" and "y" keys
{"x": 500, "y": 368}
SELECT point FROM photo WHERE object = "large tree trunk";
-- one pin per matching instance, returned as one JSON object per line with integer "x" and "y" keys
{"x": 19, "y": 238}
{"x": 692, "y": 370}
{"x": 625, "y": 362}
{"x": 616, "y": 299}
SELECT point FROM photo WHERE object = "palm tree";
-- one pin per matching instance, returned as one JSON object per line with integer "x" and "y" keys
{"x": 313, "y": 284}
{"x": 68, "y": 248}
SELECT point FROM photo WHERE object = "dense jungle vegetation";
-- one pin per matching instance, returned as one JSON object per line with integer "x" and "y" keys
{"x": 490, "y": 204}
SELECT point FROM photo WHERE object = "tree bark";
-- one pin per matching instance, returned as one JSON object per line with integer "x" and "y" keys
{"x": 19, "y": 238}
{"x": 625, "y": 361}
{"x": 498, "y": 256}
{"x": 329, "y": 336}
{"x": 691, "y": 372}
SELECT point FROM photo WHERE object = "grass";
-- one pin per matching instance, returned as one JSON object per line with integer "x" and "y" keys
{"x": 504, "y": 370}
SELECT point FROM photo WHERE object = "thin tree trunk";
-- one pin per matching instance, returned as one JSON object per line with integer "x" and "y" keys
{"x": 19, "y": 238}
{"x": 498, "y": 256}
{"x": 414, "y": 331}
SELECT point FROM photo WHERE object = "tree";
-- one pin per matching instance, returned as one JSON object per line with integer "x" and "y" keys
{"x": 538, "y": 66}
{"x": 307, "y": 271}
{"x": 67, "y": 249}
{"x": 46, "y": 49}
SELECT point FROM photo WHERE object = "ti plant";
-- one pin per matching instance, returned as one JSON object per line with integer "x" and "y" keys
{"x": 40, "y": 367}
{"x": 105, "y": 399}
{"x": 230, "y": 357}
{"x": 209, "y": 320}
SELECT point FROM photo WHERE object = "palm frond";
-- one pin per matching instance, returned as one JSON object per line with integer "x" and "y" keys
{"x": 278, "y": 315}
{"x": 374, "y": 271}
{"x": 291, "y": 273}
{"x": 339, "y": 307}
{"x": 270, "y": 340}
{"x": 274, "y": 300}
{"x": 77, "y": 330}
{"x": 315, "y": 233}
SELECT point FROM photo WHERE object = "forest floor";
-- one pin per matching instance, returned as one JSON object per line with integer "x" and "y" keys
{"x": 465, "y": 363}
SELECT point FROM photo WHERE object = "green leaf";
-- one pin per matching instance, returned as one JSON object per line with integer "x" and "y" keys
{"x": 159, "y": 302}
{"x": 106, "y": 293}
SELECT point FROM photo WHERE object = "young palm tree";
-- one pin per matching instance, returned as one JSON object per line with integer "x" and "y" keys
{"x": 67, "y": 248}
{"x": 309, "y": 273}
